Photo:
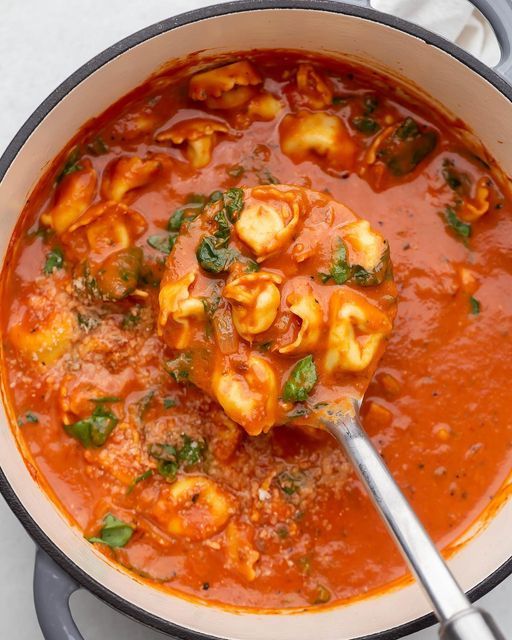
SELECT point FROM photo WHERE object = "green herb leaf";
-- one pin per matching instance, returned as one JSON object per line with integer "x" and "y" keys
{"x": 224, "y": 227}
{"x": 235, "y": 171}
{"x": 28, "y": 418}
{"x": 365, "y": 125}
{"x": 97, "y": 147}
{"x": 372, "y": 277}
{"x": 71, "y": 165}
{"x": 106, "y": 400}
{"x": 212, "y": 257}
{"x": 370, "y": 103}
{"x": 215, "y": 196}
{"x": 145, "y": 402}
{"x": 163, "y": 243}
{"x": 87, "y": 323}
{"x": 114, "y": 533}
{"x": 340, "y": 268}
{"x": 95, "y": 430}
{"x": 233, "y": 202}
{"x": 143, "y": 476}
{"x": 302, "y": 379}
{"x": 169, "y": 403}
{"x": 132, "y": 318}
{"x": 289, "y": 483}
{"x": 191, "y": 452}
{"x": 407, "y": 147}
{"x": 460, "y": 227}
{"x": 179, "y": 368}
{"x": 185, "y": 214}
{"x": 54, "y": 260}
{"x": 474, "y": 306}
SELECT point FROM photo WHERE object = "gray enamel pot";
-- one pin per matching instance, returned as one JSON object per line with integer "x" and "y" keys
{"x": 480, "y": 96}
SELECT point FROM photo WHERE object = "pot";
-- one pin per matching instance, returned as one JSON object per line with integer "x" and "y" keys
{"x": 481, "y": 97}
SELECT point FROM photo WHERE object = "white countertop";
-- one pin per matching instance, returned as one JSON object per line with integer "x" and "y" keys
{"x": 41, "y": 43}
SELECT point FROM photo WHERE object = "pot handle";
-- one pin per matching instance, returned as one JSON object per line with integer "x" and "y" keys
{"x": 52, "y": 589}
{"x": 499, "y": 16}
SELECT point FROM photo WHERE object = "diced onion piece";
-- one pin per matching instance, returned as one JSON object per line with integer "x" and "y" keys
{"x": 177, "y": 304}
{"x": 255, "y": 300}
{"x": 249, "y": 397}
{"x": 305, "y": 306}
{"x": 73, "y": 195}
{"x": 309, "y": 136}
{"x": 127, "y": 174}
{"x": 215, "y": 82}
{"x": 356, "y": 330}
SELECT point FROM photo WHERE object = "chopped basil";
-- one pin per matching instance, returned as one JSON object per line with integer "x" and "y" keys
{"x": 132, "y": 318}
{"x": 460, "y": 227}
{"x": 370, "y": 103}
{"x": 215, "y": 196}
{"x": 179, "y": 368}
{"x": 456, "y": 180}
{"x": 114, "y": 532}
{"x": 365, "y": 125}
{"x": 171, "y": 459}
{"x": 144, "y": 403}
{"x": 251, "y": 266}
{"x": 187, "y": 213}
{"x": 143, "y": 476}
{"x": 54, "y": 260}
{"x": 289, "y": 483}
{"x": 162, "y": 242}
{"x": 407, "y": 147}
{"x": 233, "y": 202}
{"x": 87, "y": 323}
{"x": 301, "y": 381}
{"x": 71, "y": 165}
{"x": 169, "y": 403}
{"x": 97, "y": 146}
{"x": 95, "y": 430}
{"x": 474, "y": 306}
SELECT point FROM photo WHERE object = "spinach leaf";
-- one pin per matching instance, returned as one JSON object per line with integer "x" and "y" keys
{"x": 95, "y": 430}
{"x": 71, "y": 165}
{"x": 340, "y": 268}
{"x": 460, "y": 227}
{"x": 223, "y": 226}
{"x": 407, "y": 147}
{"x": 474, "y": 306}
{"x": 301, "y": 381}
{"x": 54, "y": 260}
{"x": 233, "y": 202}
{"x": 374, "y": 276}
{"x": 114, "y": 533}
{"x": 366, "y": 125}
{"x": 187, "y": 213}
{"x": 213, "y": 256}
{"x": 162, "y": 242}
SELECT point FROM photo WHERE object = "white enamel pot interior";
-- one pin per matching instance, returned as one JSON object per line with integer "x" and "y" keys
{"x": 455, "y": 80}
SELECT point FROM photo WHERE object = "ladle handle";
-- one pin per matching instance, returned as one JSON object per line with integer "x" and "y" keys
{"x": 459, "y": 619}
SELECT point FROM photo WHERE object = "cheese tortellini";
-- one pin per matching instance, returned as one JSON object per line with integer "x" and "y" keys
{"x": 194, "y": 507}
{"x": 74, "y": 194}
{"x": 267, "y": 226}
{"x": 309, "y": 136}
{"x": 356, "y": 330}
{"x": 305, "y": 306}
{"x": 255, "y": 299}
{"x": 225, "y": 87}
{"x": 176, "y": 303}
{"x": 200, "y": 135}
{"x": 248, "y": 395}
{"x": 46, "y": 340}
{"x": 366, "y": 246}
{"x": 127, "y": 174}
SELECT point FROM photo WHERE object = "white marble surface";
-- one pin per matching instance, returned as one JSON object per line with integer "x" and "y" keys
{"x": 41, "y": 43}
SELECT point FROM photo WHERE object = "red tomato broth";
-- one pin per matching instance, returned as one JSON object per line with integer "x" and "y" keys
{"x": 448, "y": 442}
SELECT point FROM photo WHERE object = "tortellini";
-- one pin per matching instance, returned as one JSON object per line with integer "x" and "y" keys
{"x": 264, "y": 106}
{"x": 226, "y": 87}
{"x": 200, "y": 135}
{"x": 367, "y": 247}
{"x": 305, "y": 306}
{"x": 194, "y": 507}
{"x": 267, "y": 225}
{"x": 356, "y": 330}
{"x": 255, "y": 299}
{"x": 472, "y": 210}
{"x": 241, "y": 554}
{"x": 315, "y": 89}
{"x": 127, "y": 174}
{"x": 177, "y": 304}
{"x": 248, "y": 395}
{"x": 47, "y": 340}
{"x": 104, "y": 229}
{"x": 309, "y": 136}
{"x": 73, "y": 195}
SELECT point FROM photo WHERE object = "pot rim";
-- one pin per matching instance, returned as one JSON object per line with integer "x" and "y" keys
{"x": 82, "y": 73}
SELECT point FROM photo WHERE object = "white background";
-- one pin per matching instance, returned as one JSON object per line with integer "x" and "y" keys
{"x": 41, "y": 43}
